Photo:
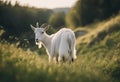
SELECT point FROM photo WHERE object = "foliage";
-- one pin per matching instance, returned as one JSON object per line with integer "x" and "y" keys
{"x": 16, "y": 20}
{"x": 85, "y": 12}
{"x": 57, "y": 20}
{"x": 101, "y": 46}
{"x": 100, "y": 30}
{"x": 17, "y": 65}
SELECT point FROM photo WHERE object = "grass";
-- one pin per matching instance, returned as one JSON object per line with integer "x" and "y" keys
{"x": 17, "y": 65}
{"x": 100, "y": 30}
{"x": 101, "y": 47}
{"x": 98, "y": 59}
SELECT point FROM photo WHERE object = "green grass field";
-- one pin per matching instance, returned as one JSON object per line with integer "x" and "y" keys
{"x": 98, "y": 59}
{"x": 17, "y": 65}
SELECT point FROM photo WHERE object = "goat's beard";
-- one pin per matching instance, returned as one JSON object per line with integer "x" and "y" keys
{"x": 39, "y": 44}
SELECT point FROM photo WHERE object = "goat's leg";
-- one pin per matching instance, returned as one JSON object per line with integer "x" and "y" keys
{"x": 71, "y": 58}
{"x": 49, "y": 59}
{"x": 60, "y": 59}
{"x": 56, "y": 60}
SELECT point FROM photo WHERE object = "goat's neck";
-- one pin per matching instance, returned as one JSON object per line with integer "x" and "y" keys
{"x": 47, "y": 42}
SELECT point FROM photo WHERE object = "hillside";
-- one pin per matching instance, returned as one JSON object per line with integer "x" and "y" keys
{"x": 98, "y": 59}
{"x": 100, "y": 47}
{"x": 65, "y": 10}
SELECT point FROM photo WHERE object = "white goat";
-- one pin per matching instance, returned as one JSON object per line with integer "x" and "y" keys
{"x": 59, "y": 46}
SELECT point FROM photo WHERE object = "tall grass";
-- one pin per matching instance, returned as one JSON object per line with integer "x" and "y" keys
{"x": 100, "y": 30}
{"x": 101, "y": 47}
{"x": 17, "y": 65}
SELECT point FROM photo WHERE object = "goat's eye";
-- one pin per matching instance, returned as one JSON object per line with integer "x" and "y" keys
{"x": 42, "y": 32}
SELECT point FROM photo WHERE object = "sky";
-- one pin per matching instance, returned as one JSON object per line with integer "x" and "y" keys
{"x": 46, "y": 3}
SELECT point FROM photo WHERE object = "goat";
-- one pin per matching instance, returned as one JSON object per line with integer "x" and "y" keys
{"x": 59, "y": 46}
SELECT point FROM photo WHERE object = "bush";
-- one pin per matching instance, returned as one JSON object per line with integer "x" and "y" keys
{"x": 57, "y": 20}
{"x": 85, "y": 12}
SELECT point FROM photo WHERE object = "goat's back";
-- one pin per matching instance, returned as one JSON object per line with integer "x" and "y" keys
{"x": 62, "y": 42}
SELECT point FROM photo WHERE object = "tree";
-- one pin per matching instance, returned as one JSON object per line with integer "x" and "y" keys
{"x": 16, "y": 19}
{"x": 57, "y": 20}
{"x": 88, "y": 11}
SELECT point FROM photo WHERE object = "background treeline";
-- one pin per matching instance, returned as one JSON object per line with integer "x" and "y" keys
{"x": 85, "y": 12}
{"x": 16, "y": 20}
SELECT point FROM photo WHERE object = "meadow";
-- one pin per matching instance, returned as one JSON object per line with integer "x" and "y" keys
{"x": 98, "y": 59}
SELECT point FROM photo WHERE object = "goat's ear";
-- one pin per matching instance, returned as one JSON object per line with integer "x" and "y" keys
{"x": 47, "y": 27}
{"x": 32, "y": 27}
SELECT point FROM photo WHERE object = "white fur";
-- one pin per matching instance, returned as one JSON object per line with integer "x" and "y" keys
{"x": 59, "y": 46}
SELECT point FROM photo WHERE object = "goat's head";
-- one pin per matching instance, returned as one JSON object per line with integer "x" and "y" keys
{"x": 39, "y": 32}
